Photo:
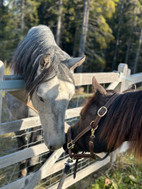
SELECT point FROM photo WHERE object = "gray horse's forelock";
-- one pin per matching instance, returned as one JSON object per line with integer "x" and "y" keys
{"x": 38, "y": 42}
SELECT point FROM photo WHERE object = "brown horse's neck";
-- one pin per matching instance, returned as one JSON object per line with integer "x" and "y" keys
{"x": 123, "y": 122}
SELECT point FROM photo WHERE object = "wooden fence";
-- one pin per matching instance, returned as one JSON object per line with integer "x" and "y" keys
{"x": 120, "y": 80}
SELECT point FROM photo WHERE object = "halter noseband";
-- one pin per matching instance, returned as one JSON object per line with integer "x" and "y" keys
{"x": 93, "y": 126}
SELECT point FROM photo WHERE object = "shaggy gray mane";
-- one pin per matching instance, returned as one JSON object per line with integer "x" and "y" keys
{"x": 38, "y": 42}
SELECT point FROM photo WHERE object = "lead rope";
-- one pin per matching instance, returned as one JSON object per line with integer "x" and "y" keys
{"x": 75, "y": 169}
{"x": 66, "y": 170}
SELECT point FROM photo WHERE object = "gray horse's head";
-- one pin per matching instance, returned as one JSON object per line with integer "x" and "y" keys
{"x": 48, "y": 80}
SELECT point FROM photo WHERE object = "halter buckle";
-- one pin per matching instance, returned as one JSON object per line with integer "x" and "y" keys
{"x": 70, "y": 145}
{"x": 93, "y": 131}
{"x": 103, "y": 108}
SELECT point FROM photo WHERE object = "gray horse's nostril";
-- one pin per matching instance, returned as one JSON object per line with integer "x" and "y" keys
{"x": 51, "y": 148}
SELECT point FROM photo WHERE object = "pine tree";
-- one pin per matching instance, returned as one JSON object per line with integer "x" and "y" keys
{"x": 17, "y": 17}
{"x": 100, "y": 33}
{"x": 129, "y": 35}
{"x": 3, "y": 36}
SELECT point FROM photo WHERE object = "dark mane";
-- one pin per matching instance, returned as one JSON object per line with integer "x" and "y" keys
{"x": 38, "y": 42}
{"x": 123, "y": 122}
{"x": 95, "y": 99}
{"x": 90, "y": 101}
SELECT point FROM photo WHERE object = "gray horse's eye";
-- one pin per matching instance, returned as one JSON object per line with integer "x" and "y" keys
{"x": 41, "y": 99}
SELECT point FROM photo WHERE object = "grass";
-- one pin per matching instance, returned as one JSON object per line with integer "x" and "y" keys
{"x": 126, "y": 174}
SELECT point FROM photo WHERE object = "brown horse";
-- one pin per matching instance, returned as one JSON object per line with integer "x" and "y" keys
{"x": 122, "y": 122}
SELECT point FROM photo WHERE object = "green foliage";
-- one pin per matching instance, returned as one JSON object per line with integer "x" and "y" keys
{"x": 126, "y": 37}
{"x": 128, "y": 174}
{"x": 17, "y": 18}
{"x": 100, "y": 33}
{"x": 104, "y": 33}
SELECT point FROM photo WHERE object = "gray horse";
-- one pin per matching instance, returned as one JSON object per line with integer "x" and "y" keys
{"x": 49, "y": 83}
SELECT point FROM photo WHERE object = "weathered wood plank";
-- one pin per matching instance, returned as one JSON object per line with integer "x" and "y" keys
{"x": 31, "y": 122}
{"x": 97, "y": 75}
{"x": 74, "y": 112}
{"x": 80, "y": 79}
{"x": 86, "y": 78}
{"x": 13, "y": 77}
{"x": 124, "y": 74}
{"x": 20, "y": 155}
{"x": 17, "y": 125}
{"x": 11, "y": 85}
{"x": 113, "y": 85}
{"x": 136, "y": 78}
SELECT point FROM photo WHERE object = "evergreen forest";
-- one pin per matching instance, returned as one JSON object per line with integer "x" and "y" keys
{"x": 108, "y": 32}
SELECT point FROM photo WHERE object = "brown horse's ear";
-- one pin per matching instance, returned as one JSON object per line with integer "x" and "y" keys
{"x": 97, "y": 87}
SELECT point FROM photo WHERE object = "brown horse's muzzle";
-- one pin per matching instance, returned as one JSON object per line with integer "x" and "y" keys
{"x": 69, "y": 137}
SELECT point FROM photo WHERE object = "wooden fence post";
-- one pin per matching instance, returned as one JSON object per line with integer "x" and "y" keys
{"x": 124, "y": 75}
{"x": 1, "y": 78}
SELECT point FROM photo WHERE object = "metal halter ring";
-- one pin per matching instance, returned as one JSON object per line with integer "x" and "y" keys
{"x": 101, "y": 108}
{"x": 70, "y": 145}
{"x": 92, "y": 122}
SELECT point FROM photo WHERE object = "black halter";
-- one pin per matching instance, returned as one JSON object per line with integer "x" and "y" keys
{"x": 93, "y": 126}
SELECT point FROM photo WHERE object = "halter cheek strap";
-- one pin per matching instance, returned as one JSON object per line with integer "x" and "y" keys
{"x": 93, "y": 126}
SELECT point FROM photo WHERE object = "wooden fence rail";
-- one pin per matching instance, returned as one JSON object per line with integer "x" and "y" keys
{"x": 120, "y": 80}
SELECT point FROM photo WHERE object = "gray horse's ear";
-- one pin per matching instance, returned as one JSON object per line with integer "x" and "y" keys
{"x": 45, "y": 61}
{"x": 97, "y": 87}
{"x": 74, "y": 62}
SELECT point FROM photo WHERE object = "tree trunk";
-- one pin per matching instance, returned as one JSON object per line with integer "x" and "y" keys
{"x": 118, "y": 35}
{"x": 137, "y": 53}
{"x": 129, "y": 44}
{"x": 59, "y": 23}
{"x": 23, "y": 16}
{"x": 1, "y": 3}
{"x": 129, "y": 41}
{"x": 84, "y": 30}
{"x": 75, "y": 42}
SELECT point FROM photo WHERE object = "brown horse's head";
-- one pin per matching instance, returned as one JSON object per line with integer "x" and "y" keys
{"x": 88, "y": 114}
{"x": 114, "y": 128}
